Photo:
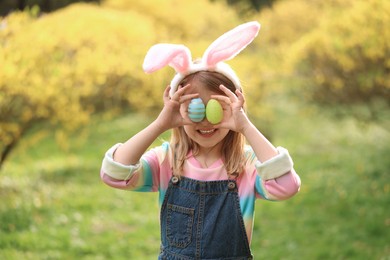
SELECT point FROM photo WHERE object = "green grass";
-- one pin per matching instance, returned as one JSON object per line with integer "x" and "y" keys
{"x": 54, "y": 205}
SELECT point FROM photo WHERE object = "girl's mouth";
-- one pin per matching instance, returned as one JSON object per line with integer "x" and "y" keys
{"x": 207, "y": 132}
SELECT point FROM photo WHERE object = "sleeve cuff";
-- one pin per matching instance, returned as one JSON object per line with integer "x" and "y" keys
{"x": 276, "y": 166}
{"x": 115, "y": 169}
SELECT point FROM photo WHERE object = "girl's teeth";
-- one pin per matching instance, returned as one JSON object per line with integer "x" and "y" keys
{"x": 206, "y": 131}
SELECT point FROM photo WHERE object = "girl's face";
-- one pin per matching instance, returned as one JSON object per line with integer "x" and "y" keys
{"x": 204, "y": 133}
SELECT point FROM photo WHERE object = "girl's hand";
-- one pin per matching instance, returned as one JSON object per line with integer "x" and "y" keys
{"x": 173, "y": 113}
{"x": 234, "y": 116}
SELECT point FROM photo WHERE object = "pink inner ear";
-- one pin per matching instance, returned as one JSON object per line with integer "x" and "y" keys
{"x": 161, "y": 55}
{"x": 181, "y": 60}
{"x": 224, "y": 52}
{"x": 231, "y": 43}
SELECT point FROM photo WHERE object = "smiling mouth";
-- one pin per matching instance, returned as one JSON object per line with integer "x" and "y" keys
{"x": 207, "y": 132}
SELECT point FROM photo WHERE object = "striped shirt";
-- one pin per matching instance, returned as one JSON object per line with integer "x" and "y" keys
{"x": 272, "y": 180}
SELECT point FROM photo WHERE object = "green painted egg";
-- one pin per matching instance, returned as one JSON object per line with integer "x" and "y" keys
{"x": 196, "y": 110}
{"x": 214, "y": 111}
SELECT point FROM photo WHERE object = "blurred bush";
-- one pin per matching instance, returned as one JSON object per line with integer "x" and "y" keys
{"x": 65, "y": 66}
{"x": 346, "y": 59}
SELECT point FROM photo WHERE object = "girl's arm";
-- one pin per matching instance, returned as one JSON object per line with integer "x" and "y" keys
{"x": 131, "y": 151}
{"x": 237, "y": 120}
{"x": 272, "y": 162}
{"x": 263, "y": 148}
{"x": 146, "y": 176}
{"x": 122, "y": 165}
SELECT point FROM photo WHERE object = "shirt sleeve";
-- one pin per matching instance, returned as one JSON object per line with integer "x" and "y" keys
{"x": 276, "y": 178}
{"x": 143, "y": 176}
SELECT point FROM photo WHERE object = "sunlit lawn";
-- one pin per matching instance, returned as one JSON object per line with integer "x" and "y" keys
{"x": 54, "y": 205}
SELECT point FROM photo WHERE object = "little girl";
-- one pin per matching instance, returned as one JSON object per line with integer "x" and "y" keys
{"x": 210, "y": 174}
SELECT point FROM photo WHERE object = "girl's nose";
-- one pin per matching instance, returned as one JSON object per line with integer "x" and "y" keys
{"x": 205, "y": 122}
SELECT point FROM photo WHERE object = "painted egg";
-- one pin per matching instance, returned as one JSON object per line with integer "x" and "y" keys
{"x": 196, "y": 110}
{"x": 214, "y": 111}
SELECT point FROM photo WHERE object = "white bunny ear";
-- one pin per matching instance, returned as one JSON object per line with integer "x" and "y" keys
{"x": 231, "y": 43}
{"x": 174, "y": 55}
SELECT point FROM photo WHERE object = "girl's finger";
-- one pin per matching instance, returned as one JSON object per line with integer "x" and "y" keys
{"x": 184, "y": 115}
{"x": 228, "y": 93}
{"x": 187, "y": 121}
{"x": 240, "y": 96}
{"x": 223, "y": 99}
{"x": 186, "y": 98}
{"x": 179, "y": 92}
{"x": 166, "y": 93}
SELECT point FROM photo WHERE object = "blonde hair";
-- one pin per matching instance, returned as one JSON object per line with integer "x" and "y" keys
{"x": 233, "y": 144}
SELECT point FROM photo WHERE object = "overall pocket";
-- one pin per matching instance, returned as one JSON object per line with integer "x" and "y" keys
{"x": 179, "y": 225}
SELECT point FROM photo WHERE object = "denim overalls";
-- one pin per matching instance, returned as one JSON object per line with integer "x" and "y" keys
{"x": 202, "y": 220}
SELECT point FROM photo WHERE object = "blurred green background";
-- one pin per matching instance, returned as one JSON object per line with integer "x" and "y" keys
{"x": 71, "y": 85}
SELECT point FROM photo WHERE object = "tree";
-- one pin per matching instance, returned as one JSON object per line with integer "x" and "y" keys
{"x": 254, "y": 4}
{"x": 7, "y": 6}
{"x": 248, "y": 7}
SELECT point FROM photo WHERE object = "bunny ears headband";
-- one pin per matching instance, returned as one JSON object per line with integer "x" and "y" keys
{"x": 222, "y": 49}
